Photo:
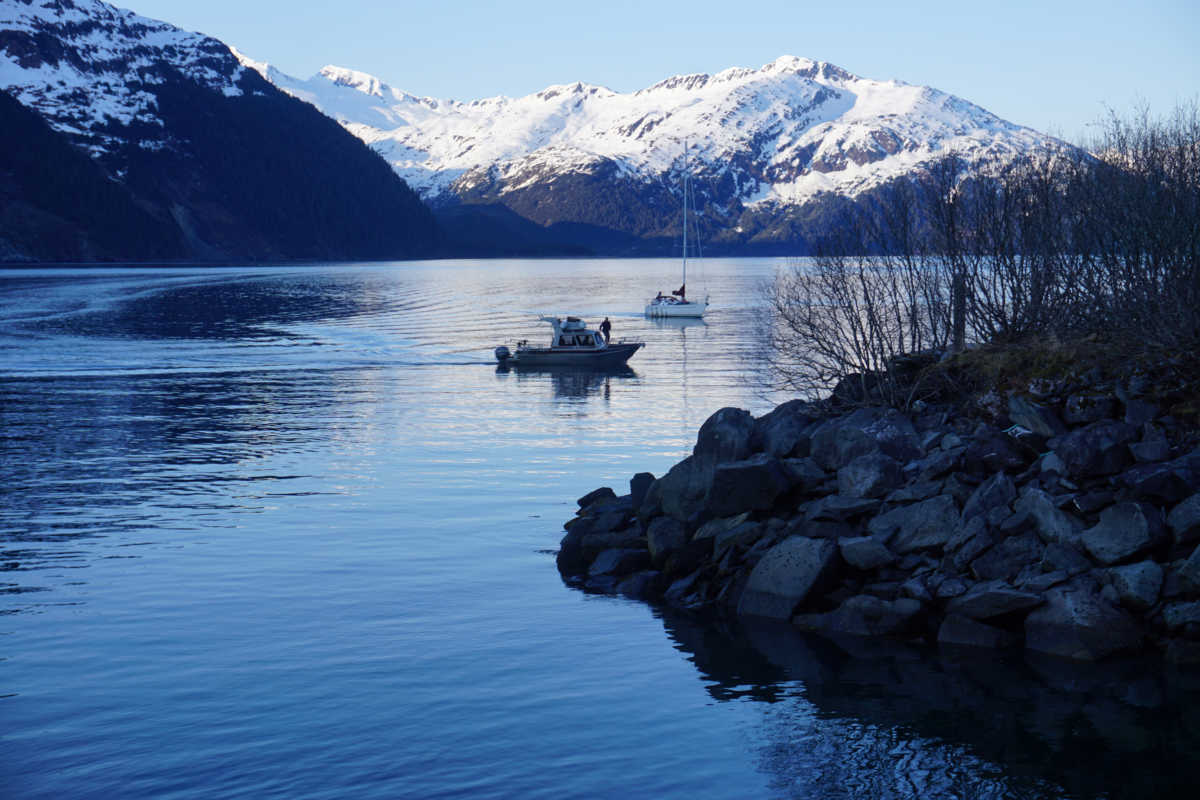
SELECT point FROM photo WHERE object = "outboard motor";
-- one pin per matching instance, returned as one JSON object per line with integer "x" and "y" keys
{"x": 502, "y": 354}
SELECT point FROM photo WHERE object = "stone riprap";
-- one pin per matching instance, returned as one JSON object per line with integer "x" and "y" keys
{"x": 1068, "y": 528}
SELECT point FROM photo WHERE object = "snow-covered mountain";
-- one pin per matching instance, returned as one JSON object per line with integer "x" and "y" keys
{"x": 761, "y": 139}
{"x": 91, "y": 70}
{"x": 145, "y": 128}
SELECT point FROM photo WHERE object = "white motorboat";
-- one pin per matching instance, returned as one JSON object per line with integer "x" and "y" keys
{"x": 573, "y": 345}
{"x": 676, "y": 303}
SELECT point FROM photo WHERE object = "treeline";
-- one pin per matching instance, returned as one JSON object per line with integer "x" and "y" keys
{"x": 1101, "y": 240}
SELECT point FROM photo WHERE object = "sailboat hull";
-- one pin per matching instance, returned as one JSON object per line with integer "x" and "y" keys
{"x": 688, "y": 309}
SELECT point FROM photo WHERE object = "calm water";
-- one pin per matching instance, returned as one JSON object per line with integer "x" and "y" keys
{"x": 287, "y": 532}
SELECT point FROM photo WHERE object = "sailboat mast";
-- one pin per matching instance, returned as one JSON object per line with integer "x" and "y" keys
{"x": 685, "y": 202}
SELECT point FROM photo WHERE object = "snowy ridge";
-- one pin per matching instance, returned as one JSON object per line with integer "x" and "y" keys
{"x": 86, "y": 67}
{"x": 781, "y": 134}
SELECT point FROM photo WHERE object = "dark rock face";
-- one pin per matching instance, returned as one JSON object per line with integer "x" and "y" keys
{"x": 870, "y": 475}
{"x": 750, "y": 485}
{"x": 638, "y": 486}
{"x": 724, "y": 437}
{"x": 1077, "y": 624}
{"x": 863, "y": 525}
{"x": 1035, "y": 417}
{"x": 1124, "y": 531}
{"x": 1184, "y": 520}
{"x": 786, "y": 575}
{"x": 784, "y": 432}
{"x": 603, "y": 493}
{"x": 922, "y": 525}
{"x": 865, "y": 552}
{"x": 1099, "y": 449}
{"x": 664, "y": 537}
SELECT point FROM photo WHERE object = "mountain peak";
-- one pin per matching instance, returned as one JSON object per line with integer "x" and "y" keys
{"x": 808, "y": 68}
{"x": 354, "y": 79}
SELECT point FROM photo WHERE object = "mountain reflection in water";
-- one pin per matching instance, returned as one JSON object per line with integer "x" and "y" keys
{"x": 863, "y": 718}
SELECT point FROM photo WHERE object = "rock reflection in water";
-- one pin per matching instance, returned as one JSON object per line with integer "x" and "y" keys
{"x": 866, "y": 718}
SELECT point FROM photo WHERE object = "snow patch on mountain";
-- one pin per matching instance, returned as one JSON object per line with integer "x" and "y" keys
{"x": 89, "y": 68}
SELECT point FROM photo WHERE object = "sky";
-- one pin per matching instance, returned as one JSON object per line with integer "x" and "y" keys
{"x": 1054, "y": 65}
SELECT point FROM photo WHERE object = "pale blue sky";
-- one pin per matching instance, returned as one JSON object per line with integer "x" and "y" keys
{"x": 1053, "y": 65}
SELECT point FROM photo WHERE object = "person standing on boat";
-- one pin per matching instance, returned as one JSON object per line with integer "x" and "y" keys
{"x": 606, "y": 329}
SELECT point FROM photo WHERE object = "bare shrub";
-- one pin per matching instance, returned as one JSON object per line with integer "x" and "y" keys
{"x": 1059, "y": 243}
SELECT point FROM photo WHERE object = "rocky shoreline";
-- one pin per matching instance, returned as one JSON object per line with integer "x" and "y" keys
{"x": 1068, "y": 524}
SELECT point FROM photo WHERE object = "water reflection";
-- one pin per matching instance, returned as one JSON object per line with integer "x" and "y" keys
{"x": 897, "y": 720}
{"x": 569, "y": 383}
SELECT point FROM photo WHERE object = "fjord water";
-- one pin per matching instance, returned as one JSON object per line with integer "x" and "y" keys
{"x": 289, "y": 532}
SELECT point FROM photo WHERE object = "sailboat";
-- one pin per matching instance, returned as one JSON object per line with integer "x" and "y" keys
{"x": 676, "y": 303}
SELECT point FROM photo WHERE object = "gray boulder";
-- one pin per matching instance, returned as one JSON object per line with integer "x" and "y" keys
{"x": 640, "y": 585}
{"x": 1082, "y": 409}
{"x": 619, "y": 562}
{"x": 783, "y": 432}
{"x": 639, "y": 484}
{"x": 870, "y": 475}
{"x": 664, "y": 536}
{"x": 1139, "y": 412}
{"x": 1075, "y": 623}
{"x": 1138, "y": 585}
{"x": 597, "y": 495}
{"x": 751, "y": 484}
{"x": 951, "y": 588}
{"x": 1184, "y": 520}
{"x": 1189, "y": 571}
{"x": 969, "y": 542}
{"x": 580, "y": 546}
{"x": 804, "y": 473}
{"x": 1098, "y": 449}
{"x": 992, "y": 599}
{"x": 1006, "y": 560}
{"x": 997, "y": 491}
{"x": 1038, "y": 418}
{"x": 838, "y": 508}
{"x": 1051, "y": 522}
{"x": 786, "y": 575}
{"x": 865, "y": 552}
{"x": 990, "y": 452}
{"x": 683, "y": 592}
{"x": 1150, "y": 450}
{"x": 680, "y": 492}
{"x": 1178, "y": 616}
{"x": 743, "y": 536}
{"x": 938, "y": 463}
{"x": 927, "y": 524}
{"x": 724, "y": 436}
{"x": 959, "y": 630}
{"x": 601, "y": 516}
{"x": 921, "y": 490}
{"x": 1065, "y": 558}
{"x": 714, "y": 527}
{"x": 627, "y": 538}
{"x": 836, "y": 442}
{"x": 1125, "y": 530}
{"x": 896, "y": 435}
{"x": 1164, "y": 483}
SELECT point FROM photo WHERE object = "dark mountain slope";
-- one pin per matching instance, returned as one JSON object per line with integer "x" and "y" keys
{"x": 57, "y": 205}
